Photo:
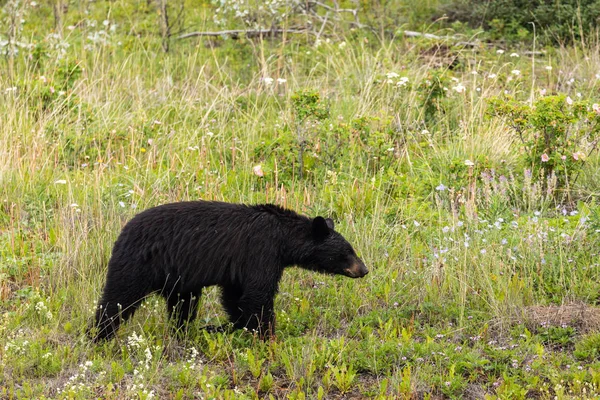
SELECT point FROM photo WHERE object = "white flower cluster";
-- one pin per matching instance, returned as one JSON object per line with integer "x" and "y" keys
{"x": 57, "y": 45}
{"x": 100, "y": 37}
{"x": 258, "y": 15}
{"x": 16, "y": 348}
{"x": 42, "y": 310}
{"x": 77, "y": 383}
{"x": 193, "y": 361}
{"x": 12, "y": 18}
{"x": 395, "y": 78}
{"x": 135, "y": 343}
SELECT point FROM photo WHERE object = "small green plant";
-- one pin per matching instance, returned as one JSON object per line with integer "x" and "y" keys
{"x": 343, "y": 377}
{"x": 309, "y": 113}
{"x": 266, "y": 383}
{"x": 254, "y": 363}
{"x": 432, "y": 95}
{"x": 557, "y": 134}
{"x": 588, "y": 348}
{"x": 558, "y": 335}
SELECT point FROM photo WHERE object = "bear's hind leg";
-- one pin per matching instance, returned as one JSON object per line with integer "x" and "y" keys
{"x": 183, "y": 308}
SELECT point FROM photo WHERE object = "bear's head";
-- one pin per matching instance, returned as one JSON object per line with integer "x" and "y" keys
{"x": 329, "y": 252}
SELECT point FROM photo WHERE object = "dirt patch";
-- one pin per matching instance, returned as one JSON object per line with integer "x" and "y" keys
{"x": 578, "y": 315}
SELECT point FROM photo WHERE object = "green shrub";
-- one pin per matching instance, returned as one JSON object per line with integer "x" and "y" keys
{"x": 555, "y": 134}
{"x": 555, "y": 21}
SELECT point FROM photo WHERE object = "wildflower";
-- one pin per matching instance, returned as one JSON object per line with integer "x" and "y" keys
{"x": 446, "y": 229}
{"x": 342, "y": 45}
{"x": 281, "y": 80}
{"x": 548, "y": 67}
{"x": 392, "y": 75}
{"x": 545, "y": 157}
{"x": 579, "y": 155}
{"x": 268, "y": 80}
{"x": 441, "y": 187}
{"x": 543, "y": 92}
{"x": 492, "y": 76}
{"x": 515, "y": 72}
{"x": 417, "y": 224}
{"x": 596, "y": 108}
{"x": 403, "y": 81}
{"x": 459, "y": 88}
{"x": 499, "y": 51}
{"x": 514, "y": 55}
{"x": 121, "y": 204}
{"x": 60, "y": 182}
{"x": 469, "y": 163}
{"x": 569, "y": 100}
{"x": 563, "y": 158}
{"x": 257, "y": 170}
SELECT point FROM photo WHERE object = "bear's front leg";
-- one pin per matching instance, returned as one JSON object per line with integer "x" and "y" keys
{"x": 257, "y": 315}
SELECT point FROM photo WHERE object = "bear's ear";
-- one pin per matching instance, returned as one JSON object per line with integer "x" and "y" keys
{"x": 329, "y": 222}
{"x": 320, "y": 228}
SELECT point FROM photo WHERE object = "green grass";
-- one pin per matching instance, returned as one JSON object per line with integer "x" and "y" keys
{"x": 461, "y": 274}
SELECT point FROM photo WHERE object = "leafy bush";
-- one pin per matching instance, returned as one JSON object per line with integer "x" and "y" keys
{"x": 554, "y": 133}
{"x": 555, "y": 21}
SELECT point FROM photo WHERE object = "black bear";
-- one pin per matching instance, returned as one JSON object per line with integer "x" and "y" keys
{"x": 177, "y": 249}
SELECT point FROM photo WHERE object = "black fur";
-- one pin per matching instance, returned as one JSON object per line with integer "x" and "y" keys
{"x": 178, "y": 249}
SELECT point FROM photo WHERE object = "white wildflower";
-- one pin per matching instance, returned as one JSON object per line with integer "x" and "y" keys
{"x": 257, "y": 170}
{"x": 459, "y": 88}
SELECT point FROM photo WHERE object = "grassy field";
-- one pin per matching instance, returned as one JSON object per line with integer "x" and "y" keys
{"x": 484, "y": 274}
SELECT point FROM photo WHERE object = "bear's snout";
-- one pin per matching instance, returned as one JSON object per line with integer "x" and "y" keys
{"x": 357, "y": 270}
